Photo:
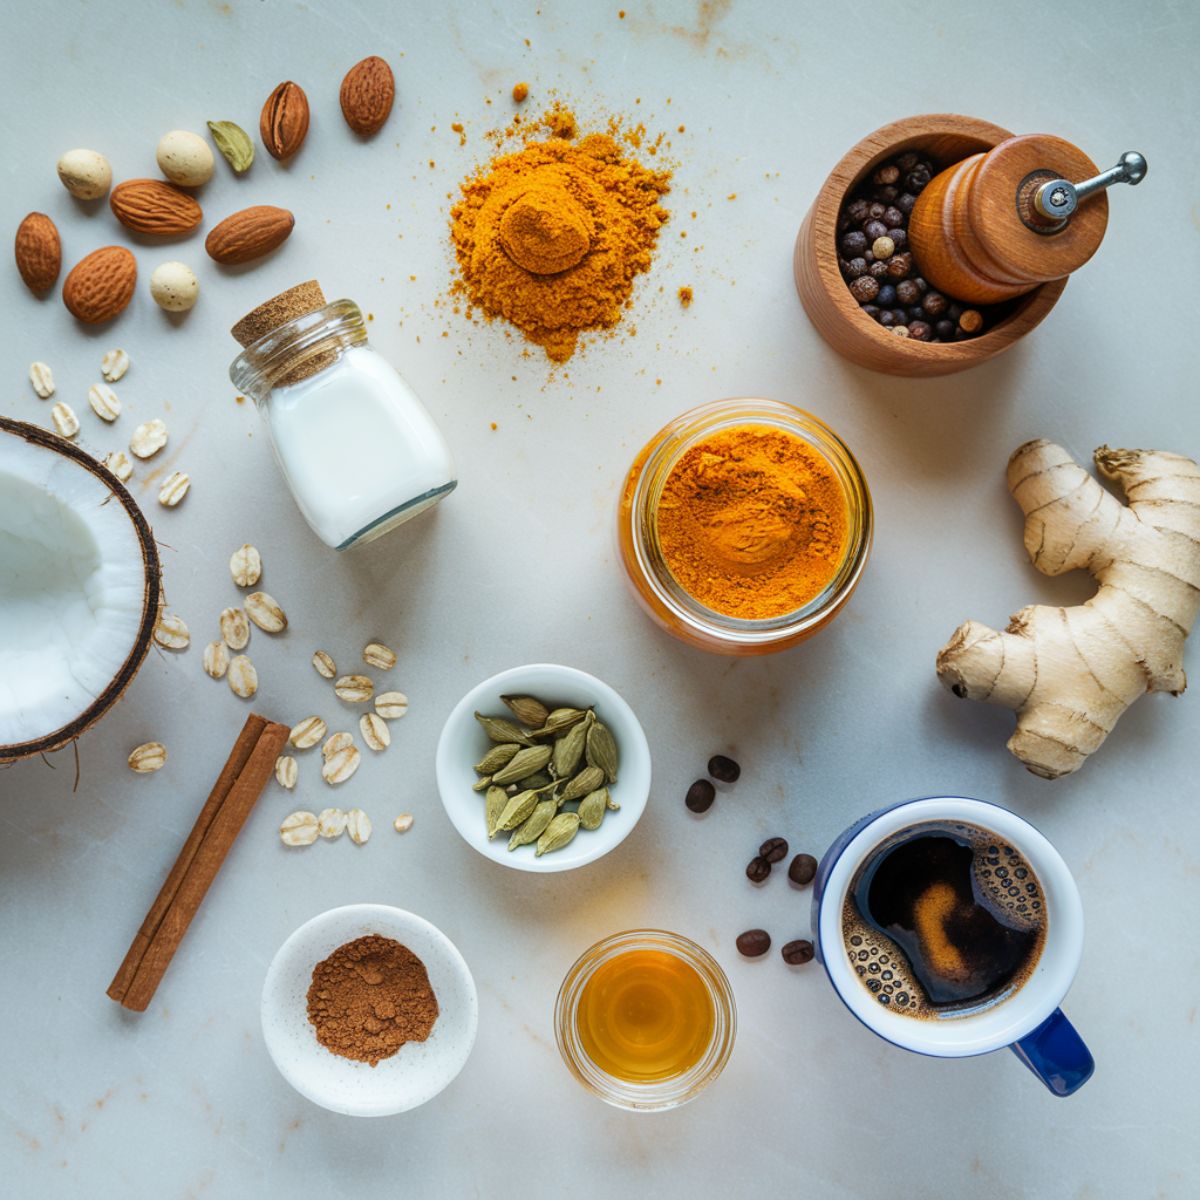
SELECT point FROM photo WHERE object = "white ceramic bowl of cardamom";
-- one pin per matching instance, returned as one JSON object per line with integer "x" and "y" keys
{"x": 464, "y": 743}
{"x": 417, "y": 1071}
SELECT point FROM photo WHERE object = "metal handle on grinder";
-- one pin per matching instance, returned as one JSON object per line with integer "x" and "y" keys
{"x": 1057, "y": 199}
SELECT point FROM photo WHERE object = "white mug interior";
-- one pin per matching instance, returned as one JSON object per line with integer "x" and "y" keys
{"x": 1004, "y": 1022}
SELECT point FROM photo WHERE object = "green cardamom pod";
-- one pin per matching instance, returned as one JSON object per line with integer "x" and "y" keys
{"x": 611, "y": 804}
{"x": 234, "y": 143}
{"x": 517, "y": 809}
{"x": 538, "y": 780}
{"x": 497, "y": 798}
{"x": 524, "y": 762}
{"x": 588, "y": 780}
{"x": 534, "y": 824}
{"x": 502, "y": 730}
{"x": 481, "y": 784}
{"x": 568, "y": 751}
{"x": 496, "y": 757}
{"x": 558, "y": 833}
{"x": 529, "y": 710}
{"x": 591, "y": 808}
{"x": 560, "y": 719}
{"x": 602, "y": 750}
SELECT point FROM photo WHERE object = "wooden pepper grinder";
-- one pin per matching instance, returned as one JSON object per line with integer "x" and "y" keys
{"x": 996, "y": 225}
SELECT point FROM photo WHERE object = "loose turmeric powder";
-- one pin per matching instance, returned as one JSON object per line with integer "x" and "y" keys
{"x": 752, "y": 522}
{"x": 552, "y": 236}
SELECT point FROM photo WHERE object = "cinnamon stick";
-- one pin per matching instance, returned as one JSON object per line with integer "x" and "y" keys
{"x": 241, "y": 781}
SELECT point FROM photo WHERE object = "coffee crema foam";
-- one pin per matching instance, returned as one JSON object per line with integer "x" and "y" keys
{"x": 1003, "y": 883}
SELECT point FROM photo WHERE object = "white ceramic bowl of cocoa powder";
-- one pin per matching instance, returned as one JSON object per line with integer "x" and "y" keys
{"x": 418, "y": 1071}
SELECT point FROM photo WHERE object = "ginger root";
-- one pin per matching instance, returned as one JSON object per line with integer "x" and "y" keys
{"x": 1069, "y": 673}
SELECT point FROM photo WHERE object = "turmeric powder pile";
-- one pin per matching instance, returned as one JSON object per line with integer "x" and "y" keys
{"x": 752, "y": 522}
{"x": 551, "y": 237}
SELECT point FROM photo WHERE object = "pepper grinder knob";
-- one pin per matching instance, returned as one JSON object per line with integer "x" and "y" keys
{"x": 1057, "y": 199}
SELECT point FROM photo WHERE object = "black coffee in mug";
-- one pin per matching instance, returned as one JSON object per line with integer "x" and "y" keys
{"x": 944, "y": 919}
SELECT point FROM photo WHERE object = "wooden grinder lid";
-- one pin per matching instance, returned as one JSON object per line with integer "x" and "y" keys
{"x": 1001, "y": 214}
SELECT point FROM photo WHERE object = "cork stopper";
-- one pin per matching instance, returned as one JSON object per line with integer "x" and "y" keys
{"x": 296, "y": 302}
{"x": 287, "y": 306}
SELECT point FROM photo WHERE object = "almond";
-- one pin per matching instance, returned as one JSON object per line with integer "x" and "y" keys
{"x": 39, "y": 252}
{"x": 283, "y": 124}
{"x": 151, "y": 206}
{"x": 101, "y": 285}
{"x": 249, "y": 234}
{"x": 367, "y": 94}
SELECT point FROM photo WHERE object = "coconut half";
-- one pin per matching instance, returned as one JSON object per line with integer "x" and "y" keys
{"x": 79, "y": 590}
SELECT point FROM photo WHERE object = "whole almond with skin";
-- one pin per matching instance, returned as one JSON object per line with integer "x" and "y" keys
{"x": 283, "y": 124}
{"x": 152, "y": 206}
{"x": 249, "y": 234}
{"x": 367, "y": 95}
{"x": 38, "y": 251}
{"x": 100, "y": 285}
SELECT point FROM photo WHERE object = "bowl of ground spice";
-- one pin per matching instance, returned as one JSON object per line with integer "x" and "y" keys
{"x": 369, "y": 1010}
{"x": 744, "y": 526}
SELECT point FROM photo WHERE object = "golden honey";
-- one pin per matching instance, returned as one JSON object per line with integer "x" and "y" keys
{"x": 645, "y": 1015}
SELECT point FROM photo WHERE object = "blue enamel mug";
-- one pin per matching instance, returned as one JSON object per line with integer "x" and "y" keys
{"x": 1026, "y": 1018}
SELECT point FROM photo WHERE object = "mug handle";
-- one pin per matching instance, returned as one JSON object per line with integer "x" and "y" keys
{"x": 1055, "y": 1053}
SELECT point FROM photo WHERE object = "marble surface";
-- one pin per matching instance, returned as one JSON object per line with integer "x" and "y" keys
{"x": 518, "y": 566}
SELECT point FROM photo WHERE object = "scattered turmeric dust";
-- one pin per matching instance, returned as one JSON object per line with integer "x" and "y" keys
{"x": 520, "y": 92}
{"x": 685, "y": 296}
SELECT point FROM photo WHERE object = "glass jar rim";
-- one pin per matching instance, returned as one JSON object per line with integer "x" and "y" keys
{"x": 295, "y": 342}
{"x": 679, "y": 435}
{"x": 660, "y": 1094}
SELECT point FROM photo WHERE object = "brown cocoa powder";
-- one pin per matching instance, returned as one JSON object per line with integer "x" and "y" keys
{"x": 369, "y": 997}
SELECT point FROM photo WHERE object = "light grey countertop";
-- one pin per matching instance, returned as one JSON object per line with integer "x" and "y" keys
{"x": 518, "y": 565}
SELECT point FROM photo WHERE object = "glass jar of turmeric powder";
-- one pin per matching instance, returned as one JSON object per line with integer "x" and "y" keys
{"x": 744, "y": 526}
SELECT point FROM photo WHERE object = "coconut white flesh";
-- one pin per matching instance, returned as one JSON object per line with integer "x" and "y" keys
{"x": 72, "y": 587}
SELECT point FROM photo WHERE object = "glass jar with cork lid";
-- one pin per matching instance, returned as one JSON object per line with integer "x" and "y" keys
{"x": 744, "y": 526}
{"x": 358, "y": 448}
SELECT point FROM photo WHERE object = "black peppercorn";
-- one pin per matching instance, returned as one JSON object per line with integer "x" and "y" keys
{"x": 918, "y": 177}
{"x": 900, "y": 265}
{"x": 945, "y": 330}
{"x": 906, "y": 161}
{"x": 856, "y": 210}
{"x": 879, "y": 270}
{"x": 723, "y": 768}
{"x": 934, "y": 303}
{"x": 922, "y": 286}
{"x": 875, "y": 210}
{"x": 899, "y": 238}
{"x": 757, "y": 869}
{"x": 921, "y": 330}
{"x": 872, "y": 311}
{"x": 905, "y": 202}
{"x": 855, "y": 267}
{"x": 874, "y": 229}
{"x": 887, "y": 317}
{"x": 887, "y": 194}
{"x": 700, "y": 796}
{"x": 892, "y": 217}
{"x": 887, "y": 296}
{"x": 907, "y": 292}
{"x": 888, "y": 173}
{"x": 854, "y": 243}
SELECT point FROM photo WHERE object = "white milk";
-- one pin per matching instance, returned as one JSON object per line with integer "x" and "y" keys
{"x": 358, "y": 448}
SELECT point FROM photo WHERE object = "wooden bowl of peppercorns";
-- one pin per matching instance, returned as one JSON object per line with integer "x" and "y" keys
{"x": 957, "y": 336}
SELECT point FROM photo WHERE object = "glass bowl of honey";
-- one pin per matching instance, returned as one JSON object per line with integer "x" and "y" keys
{"x": 645, "y": 1020}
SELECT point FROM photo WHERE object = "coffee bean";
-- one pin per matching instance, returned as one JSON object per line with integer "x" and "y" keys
{"x": 722, "y": 768}
{"x": 753, "y": 943}
{"x": 774, "y": 849}
{"x": 802, "y": 869}
{"x": 798, "y": 952}
{"x": 757, "y": 869}
{"x": 700, "y": 796}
